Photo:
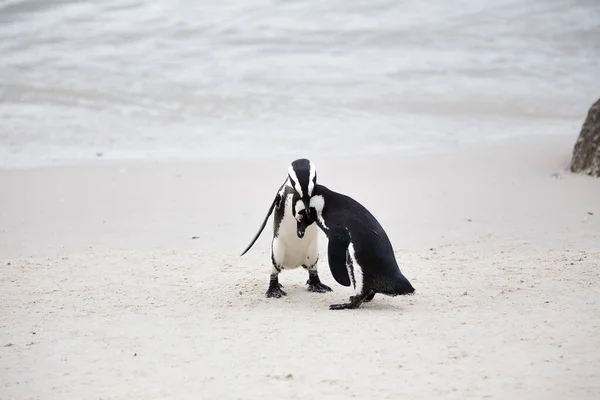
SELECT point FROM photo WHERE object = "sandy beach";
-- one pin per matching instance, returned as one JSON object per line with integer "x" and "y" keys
{"x": 123, "y": 280}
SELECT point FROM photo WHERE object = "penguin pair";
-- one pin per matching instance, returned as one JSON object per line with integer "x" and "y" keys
{"x": 359, "y": 251}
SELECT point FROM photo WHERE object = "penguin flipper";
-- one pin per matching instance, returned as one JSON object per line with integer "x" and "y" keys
{"x": 337, "y": 249}
{"x": 276, "y": 201}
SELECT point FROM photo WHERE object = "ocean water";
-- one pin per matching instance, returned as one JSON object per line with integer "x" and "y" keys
{"x": 112, "y": 79}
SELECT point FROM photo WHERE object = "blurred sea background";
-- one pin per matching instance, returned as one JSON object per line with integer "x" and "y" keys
{"x": 191, "y": 79}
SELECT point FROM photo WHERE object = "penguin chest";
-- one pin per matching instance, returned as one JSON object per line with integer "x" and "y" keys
{"x": 297, "y": 251}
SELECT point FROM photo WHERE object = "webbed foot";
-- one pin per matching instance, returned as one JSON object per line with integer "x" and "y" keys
{"x": 275, "y": 291}
{"x": 315, "y": 285}
{"x": 318, "y": 287}
{"x": 355, "y": 302}
{"x": 275, "y": 288}
{"x": 345, "y": 306}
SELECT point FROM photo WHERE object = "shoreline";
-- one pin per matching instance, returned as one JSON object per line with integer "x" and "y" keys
{"x": 107, "y": 158}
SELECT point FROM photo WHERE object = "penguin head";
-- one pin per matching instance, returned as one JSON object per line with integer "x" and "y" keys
{"x": 301, "y": 226}
{"x": 302, "y": 219}
{"x": 303, "y": 178}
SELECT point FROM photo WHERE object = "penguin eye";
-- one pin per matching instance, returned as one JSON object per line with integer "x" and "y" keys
{"x": 299, "y": 217}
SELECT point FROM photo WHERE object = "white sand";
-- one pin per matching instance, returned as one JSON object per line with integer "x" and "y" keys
{"x": 105, "y": 294}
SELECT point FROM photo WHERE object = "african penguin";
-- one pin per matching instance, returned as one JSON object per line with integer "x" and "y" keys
{"x": 294, "y": 243}
{"x": 359, "y": 251}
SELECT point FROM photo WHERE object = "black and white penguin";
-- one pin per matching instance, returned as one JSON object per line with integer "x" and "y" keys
{"x": 294, "y": 242}
{"x": 359, "y": 251}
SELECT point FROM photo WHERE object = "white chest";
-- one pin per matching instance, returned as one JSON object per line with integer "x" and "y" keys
{"x": 296, "y": 251}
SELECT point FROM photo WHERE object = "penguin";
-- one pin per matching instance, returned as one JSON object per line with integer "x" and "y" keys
{"x": 294, "y": 242}
{"x": 359, "y": 251}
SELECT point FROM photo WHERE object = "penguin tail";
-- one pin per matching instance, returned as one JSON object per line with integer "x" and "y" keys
{"x": 402, "y": 286}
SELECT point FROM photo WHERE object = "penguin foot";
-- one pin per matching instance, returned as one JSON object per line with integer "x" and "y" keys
{"x": 317, "y": 287}
{"x": 275, "y": 291}
{"x": 355, "y": 302}
{"x": 275, "y": 288}
{"x": 314, "y": 283}
{"x": 345, "y": 306}
{"x": 369, "y": 297}
{"x": 365, "y": 299}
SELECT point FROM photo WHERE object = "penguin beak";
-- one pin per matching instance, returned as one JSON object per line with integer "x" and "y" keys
{"x": 301, "y": 227}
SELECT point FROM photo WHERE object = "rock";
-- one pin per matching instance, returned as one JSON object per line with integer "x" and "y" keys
{"x": 586, "y": 153}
